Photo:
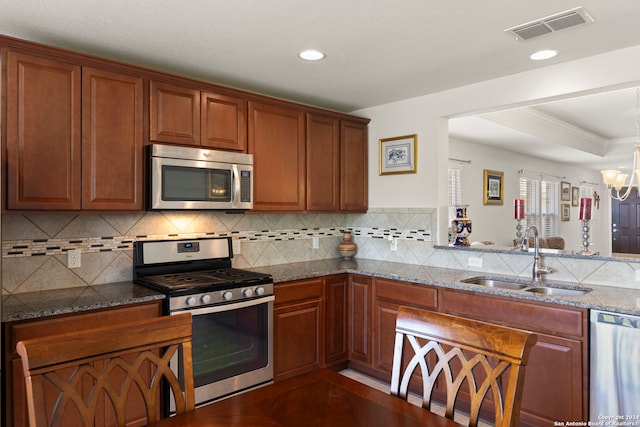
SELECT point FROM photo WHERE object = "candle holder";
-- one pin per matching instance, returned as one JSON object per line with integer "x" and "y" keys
{"x": 585, "y": 239}
{"x": 518, "y": 244}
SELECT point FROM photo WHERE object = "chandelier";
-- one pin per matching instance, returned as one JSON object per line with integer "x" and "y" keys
{"x": 616, "y": 180}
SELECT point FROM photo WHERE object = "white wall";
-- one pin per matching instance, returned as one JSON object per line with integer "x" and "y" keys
{"x": 496, "y": 223}
{"x": 428, "y": 117}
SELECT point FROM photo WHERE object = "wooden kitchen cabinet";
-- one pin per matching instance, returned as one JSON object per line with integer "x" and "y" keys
{"x": 15, "y": 404}
{"x": 336, "y": 320}
{"x": 277, "y": 142}
{"x": 388, "y": 296}
{"x": 112, "y": 158}
{"x": 323, "y": 163}
{"x": 189, "y": 116}
{"x": 353, "y": 167}
{"x": 360, "y": 310}
{"x": 556, "y": 383}
{"x": 43, "y": 132}
{"x": 74, "y": 136}
{"x": 298, "y": 328}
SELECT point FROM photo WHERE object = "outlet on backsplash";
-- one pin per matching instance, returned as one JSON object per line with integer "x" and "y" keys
{"x": 73, "y": 258}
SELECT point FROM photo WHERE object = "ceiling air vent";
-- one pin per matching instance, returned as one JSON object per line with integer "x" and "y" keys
{"x": 548, "y": 24}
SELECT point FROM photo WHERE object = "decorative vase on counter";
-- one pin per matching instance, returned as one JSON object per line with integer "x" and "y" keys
{"x": 461, "y": 227}
{"x": 347, "y": 248}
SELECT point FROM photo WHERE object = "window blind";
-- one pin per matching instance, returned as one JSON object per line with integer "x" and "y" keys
{"x": 455, "y": 185}
{"x": 542, "y": 204}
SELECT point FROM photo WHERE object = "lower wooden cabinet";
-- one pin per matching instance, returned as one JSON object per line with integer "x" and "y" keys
{"x": 360, "y": 299}
{"x": 336, "y": 320}
{"x": 298, "y": 327}
{"x": 14, "y": 396}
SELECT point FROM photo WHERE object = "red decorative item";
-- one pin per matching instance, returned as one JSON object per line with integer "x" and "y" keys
{"x": 585, "y": 209}
{"x": 518, "y": 209}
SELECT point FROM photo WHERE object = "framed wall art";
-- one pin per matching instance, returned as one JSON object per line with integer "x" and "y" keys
{"x": 565, "y": 214}
{"x": 398, "y": 154}
{"x": 575, "y": 196}
{"x": 493, "y": 187}
{"x": 565, "y": 191}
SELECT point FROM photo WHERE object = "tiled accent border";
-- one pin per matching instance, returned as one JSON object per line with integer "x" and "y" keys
{"x": 47, "y": 247}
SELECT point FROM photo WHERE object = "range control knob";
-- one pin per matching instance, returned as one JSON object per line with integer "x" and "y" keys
{"x": 206, "y": 299}
{"x": 259, "y": 290}
{"x": 247, "y": 292}
{"x": 191, "y": 301}
{"x": 227, "y": 295}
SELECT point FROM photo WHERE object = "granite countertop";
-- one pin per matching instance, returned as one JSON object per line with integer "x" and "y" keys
{"x": 48, "y": 303}
{"x": 33, "y": 305}
{"x": 619, "y": 300}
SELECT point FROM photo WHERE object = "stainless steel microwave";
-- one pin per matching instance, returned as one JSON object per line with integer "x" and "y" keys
{"x": 195, "y": 178}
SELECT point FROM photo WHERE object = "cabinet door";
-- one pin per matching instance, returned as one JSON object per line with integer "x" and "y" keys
{"x": 277, "y": 142}
{"x": 353, "y": 167}
{"x": 174, "y": 114}
{"x": 111, "y": 141}
{"x": 43, "y": 133}
{"x": 336, "y": 312}
{"x": 298, "y": 328}
{"x": 224, "y": 122}
{"x": 323, "y": 163}
{"x": 360, "y": 301}
{"x": 554, "y": 385}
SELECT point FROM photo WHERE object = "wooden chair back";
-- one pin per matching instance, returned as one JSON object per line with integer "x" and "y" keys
{"x": 74, "y": 376}
{"x": 490, "y": 359}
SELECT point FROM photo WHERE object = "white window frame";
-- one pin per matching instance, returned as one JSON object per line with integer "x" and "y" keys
{"x": 542, "y": 204}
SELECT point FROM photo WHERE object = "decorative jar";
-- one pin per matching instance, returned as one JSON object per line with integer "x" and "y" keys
{"x": 347, "y": 248}
{"x": 461, "y": 227}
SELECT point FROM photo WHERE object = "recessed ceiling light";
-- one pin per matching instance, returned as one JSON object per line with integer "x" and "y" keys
{"x": 311, "y": 55}
{"x": 543, "y": 54}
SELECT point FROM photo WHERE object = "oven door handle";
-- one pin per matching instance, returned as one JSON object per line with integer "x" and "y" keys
{"x": 227, "y": 307}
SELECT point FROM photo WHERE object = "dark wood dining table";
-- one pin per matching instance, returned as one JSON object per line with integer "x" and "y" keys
{"x": 321, "y": 398}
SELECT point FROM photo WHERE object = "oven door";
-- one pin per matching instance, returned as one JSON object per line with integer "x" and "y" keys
{"x": 232, "y": 348}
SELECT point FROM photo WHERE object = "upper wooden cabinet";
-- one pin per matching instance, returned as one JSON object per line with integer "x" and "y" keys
{"x": 111, "y": 141}
{"x": 354, "y": 191}
{"x": 277, "y": 142}
{"x": 336, "y": 165}
{"x": 74, "y": 136}
{"x": 43, "y": 133}
{"x": 323, "y": 163}
{"x": 183, "y": 115}
{"x": 174, "y": 114}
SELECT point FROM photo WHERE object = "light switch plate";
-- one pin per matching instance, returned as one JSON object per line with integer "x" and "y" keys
{"x": 315, "y": 242}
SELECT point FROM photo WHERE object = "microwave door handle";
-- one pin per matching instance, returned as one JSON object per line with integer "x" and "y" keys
{"x": 235, "y": 179}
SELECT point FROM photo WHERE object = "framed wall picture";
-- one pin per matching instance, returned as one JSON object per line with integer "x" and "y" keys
{"x": 493, "y": 187}
{"x": 565, "y": 191}
{"x": 398, "y": 154}
{"x": 566, "y": 212}
{"x": 575, "y": 196}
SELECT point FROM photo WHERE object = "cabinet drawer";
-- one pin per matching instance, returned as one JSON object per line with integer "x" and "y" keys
{"x": 297, "y": 291}
{"x": 406, "y": 293}
{"x": 555, "y": 320}
{"x": 80, "y": 321}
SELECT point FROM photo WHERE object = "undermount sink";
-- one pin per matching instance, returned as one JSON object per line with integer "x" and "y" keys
{"x": 494, "y": 283}
{"x": 527, "y": 287}
{"x": 563, "y": 292}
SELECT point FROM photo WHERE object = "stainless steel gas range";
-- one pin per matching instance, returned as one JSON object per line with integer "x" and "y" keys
{"x": 232, "y": 310}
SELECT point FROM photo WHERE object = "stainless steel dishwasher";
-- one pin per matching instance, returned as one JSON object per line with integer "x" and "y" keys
{"x": 615, "y": 367}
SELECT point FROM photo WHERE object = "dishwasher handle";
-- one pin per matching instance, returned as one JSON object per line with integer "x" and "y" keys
{"x": 618, "y": 320}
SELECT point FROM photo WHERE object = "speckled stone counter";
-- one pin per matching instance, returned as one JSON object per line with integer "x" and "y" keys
{"x": 620, "y": 300}
{"x": 49, "y": 303}
{"x": 34, "y": 305}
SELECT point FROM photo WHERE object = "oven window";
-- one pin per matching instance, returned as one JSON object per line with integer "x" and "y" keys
{"x": 195, "y": 184}
{"x": 229, "y": 343}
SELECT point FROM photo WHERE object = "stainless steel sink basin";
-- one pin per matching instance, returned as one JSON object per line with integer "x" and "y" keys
{"x": 547, "y": 290}
{"x": 494, "y": 283}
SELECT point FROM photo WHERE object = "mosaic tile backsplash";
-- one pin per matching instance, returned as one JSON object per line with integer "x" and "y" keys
{"x": 34, "y": 247}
